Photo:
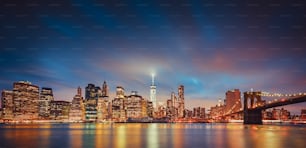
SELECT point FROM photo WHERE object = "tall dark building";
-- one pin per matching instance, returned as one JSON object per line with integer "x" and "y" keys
{"x": 181, "y": 100}
{"x": 232, "y": 101}
{"x": 79, "y": 91}
{"x": 92, "y": 93}
{"x": 105, "y": 90}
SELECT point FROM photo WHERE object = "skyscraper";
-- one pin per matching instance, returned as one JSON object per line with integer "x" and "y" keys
{"x": 181, "y": 101}
{"x": 232, "y": 101}
{"x": 92, "y": 93}
{"x": 136, "y": 106}
{"x": 46, "y": 96}
{"x": 172, "y": 105}
{"x": 25, "y": 98}
{"x": 7, "y": 104}
{"x": 153, "y": 92}
{"x": 103, "y": 104}
{"x": 77, "y": 108}
{"x": 120, "y": 92}
{"x": 119, "y": 105}
{"x": 104, "y": 90}
{"x": 59, "y": 110}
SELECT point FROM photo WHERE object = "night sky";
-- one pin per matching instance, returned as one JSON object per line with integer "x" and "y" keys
{"x": 209, "y": 47}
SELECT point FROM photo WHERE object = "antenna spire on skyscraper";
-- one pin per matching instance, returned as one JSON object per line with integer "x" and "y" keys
{"x": 153, "y": 92}
{"x": 153, "y": 75}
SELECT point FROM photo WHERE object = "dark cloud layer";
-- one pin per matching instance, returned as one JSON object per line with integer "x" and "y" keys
{"x": 208, "y": 47}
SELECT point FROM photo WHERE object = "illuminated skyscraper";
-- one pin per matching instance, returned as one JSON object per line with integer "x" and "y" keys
{"x": 120, "y": 92}
{"x": 134, "y": 108}
{"x": 92, "y": 93}
{"x": 103, "y": 104}
{"x": 7, "y": 104}
{"x": 59, "y": 110}
{"x": 153, "y": 92}
{"x": 46, "y": 96}
{"x": 76, "y": 112}
{"x": 25, "y": 100}
{"x": 119, "y": 105}
{"x": 181, "y": 100}
{"x": 232, "y": 101}
{"x": 172, "y": 105}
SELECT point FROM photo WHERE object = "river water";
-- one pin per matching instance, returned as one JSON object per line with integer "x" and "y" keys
{"x": 152, "y": 135}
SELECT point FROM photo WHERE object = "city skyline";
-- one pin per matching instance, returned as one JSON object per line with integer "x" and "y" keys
{"x": 209, "y": 48}
{"x": 104, "y": 92}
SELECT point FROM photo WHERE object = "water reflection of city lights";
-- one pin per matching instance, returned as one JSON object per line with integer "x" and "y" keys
{"x": 152, "y": 136}
{"x": 120, "y": 141}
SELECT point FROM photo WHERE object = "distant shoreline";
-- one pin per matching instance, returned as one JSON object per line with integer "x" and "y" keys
{"x": 106, "y": 122}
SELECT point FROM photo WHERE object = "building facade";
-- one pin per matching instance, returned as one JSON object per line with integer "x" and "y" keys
{"x": 59, "y": 110}
{"x": 181, "y": 101}
{"x": 280, "y": 114}
{"x": 102, "y": 109}
{"x": 199, "y": 112}
{"x": 135, "y": 106}
{"x": 46, "y": 96}
{"x": 119, "y": 105}
{"x": 25, "y": 98}
{"x": 303, "y": 114}
{"x": 76, "y": 111}
{"x": 7, "y": 105}
{"x": 105, "y": 90}
{"x": 92, "y": 93}
{"x": 103, "y": 104}
{"x": 150, "y": 109}
{"x": 232, "y": 101}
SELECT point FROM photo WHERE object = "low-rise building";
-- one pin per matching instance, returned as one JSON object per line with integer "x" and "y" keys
{"x": 59, "y": 110}
{"x": 280, "y": 114}
{"x": 134, "y": 108}
{"x": 303, "y": 114}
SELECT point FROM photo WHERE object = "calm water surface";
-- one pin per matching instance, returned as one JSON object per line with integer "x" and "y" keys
{"x": 152, "y": 135}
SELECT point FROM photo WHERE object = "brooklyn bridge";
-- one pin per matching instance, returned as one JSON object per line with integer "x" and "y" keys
{"x": 254, "y": 105}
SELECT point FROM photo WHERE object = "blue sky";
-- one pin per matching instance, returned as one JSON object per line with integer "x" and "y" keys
{"x": 209, "y": 47}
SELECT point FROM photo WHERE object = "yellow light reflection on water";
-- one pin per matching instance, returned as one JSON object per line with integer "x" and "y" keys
{"x": 120, "y": 136}
{"x": 76, "y": 134}
{"x": 235, "y": 135}
{"x": 177, "y": 135}
{"x": 134, "y": 131}
{"x": 23, "y": 135}
{"x": 45, "y": 134}
{"x": 102, "y": 138}
{"x": 267, "y": 136}
{"x": 152, "y": 135}
{"x": 99, "y": 137}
